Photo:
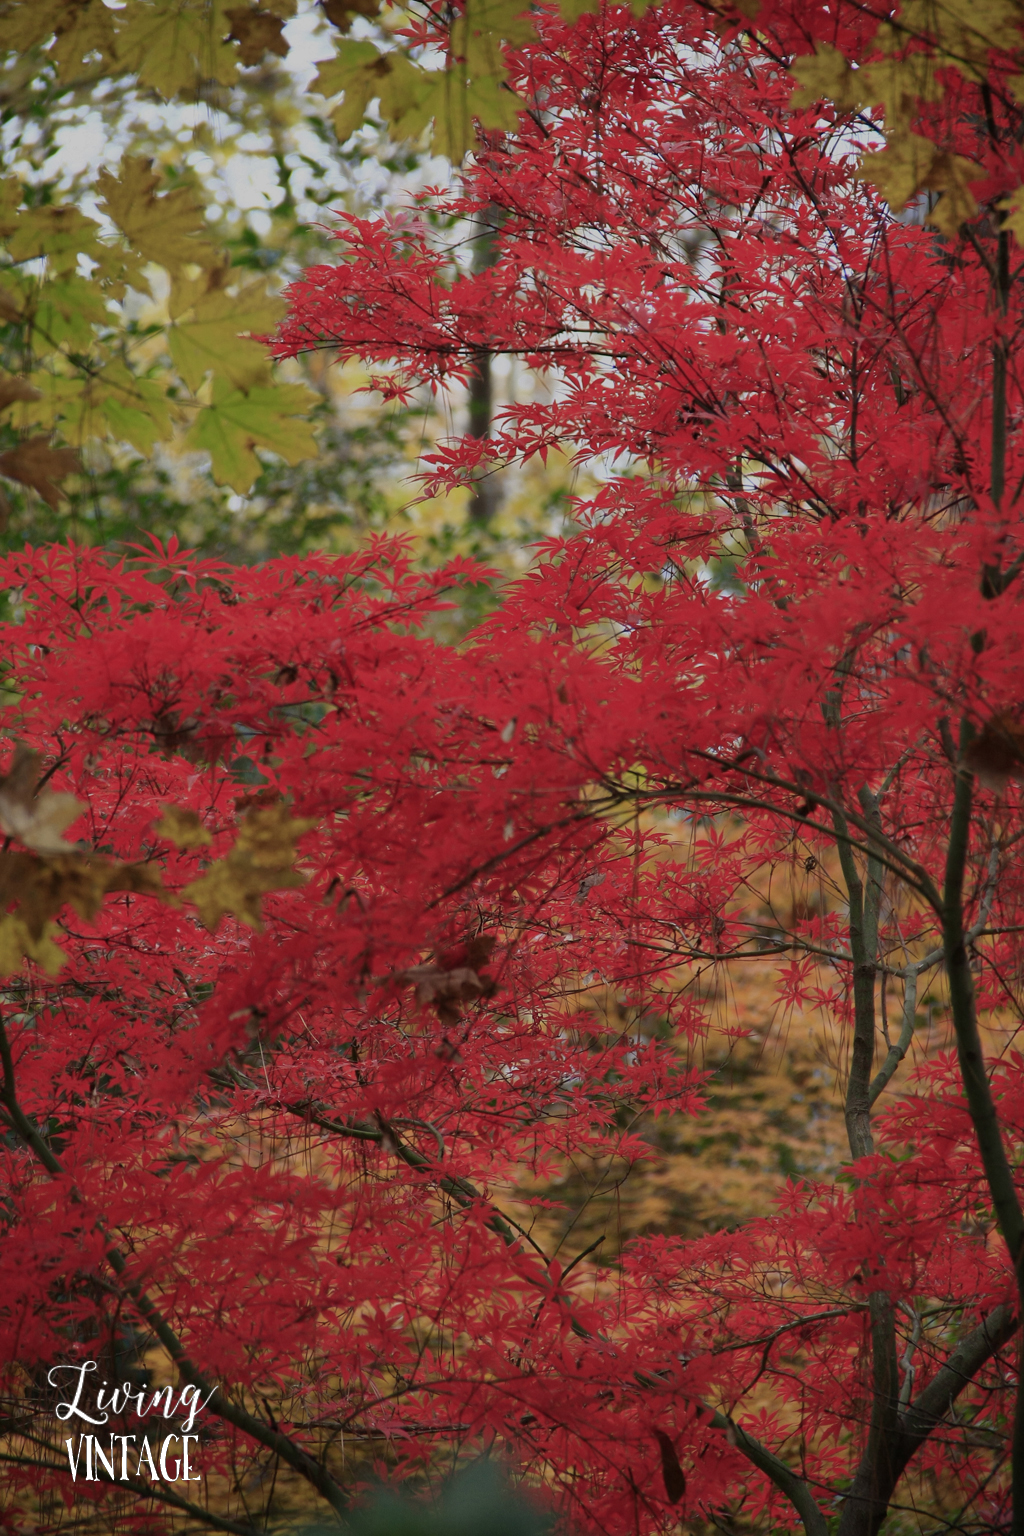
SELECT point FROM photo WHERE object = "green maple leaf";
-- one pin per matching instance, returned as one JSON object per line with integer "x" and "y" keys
{"x": 478, "y": 34}
{"x": 68, "y": 308}
{"x": 457, "y": 105}
{"x": 207, "y": 338}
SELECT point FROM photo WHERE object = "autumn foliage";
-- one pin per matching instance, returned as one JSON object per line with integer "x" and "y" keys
{"x": 302, "y": 1014}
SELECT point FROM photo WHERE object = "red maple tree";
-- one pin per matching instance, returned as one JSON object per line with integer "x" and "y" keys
{"x": 275, "y": 1112}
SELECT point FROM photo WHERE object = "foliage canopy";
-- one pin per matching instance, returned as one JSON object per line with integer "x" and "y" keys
{"x": 286, "y": 1096}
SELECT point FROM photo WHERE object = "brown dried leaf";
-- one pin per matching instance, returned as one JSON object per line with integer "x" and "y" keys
{"x": 35, "y": 820}
{"x": 340, "y": 12}
{"x": 36, "y": 464}
{"x": 996, "y": 755}
{"x": 454, "y": 981}
{"x": 39, "y": 887}
{"x": 268, "y": 795}
{"x": 13, "y": 388}
{"x": 256, "y": 33}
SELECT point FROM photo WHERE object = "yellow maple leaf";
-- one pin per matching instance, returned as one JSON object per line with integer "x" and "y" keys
{"x": 28, "y": 22}
{"x": 572, "y": 10}
{"x": 182, "y": 827}
{"x": 478, "y": 34}
{"x": 898, "y": 84}
{"x": 825, "y": 73}
{"x": 910, "y": 164}
{"x": 406, "y": 95}
{"x": 17, "y": 944}
{"x": 454, "y": 99}
{"x": 13, "y": 302}
{"x": 359, "y": 69}
{"x": 900, "y": 170}
{"x": 12, "y": 191}
{"x": 950, "y": 175}
{"x": 59, "y": 233}
{"x": 962, "y": 33}
{"x": 166, "y": 229}
{"x": 87, "y": 27}
{"x": 174, "y": 45}
{"x": 78, "y": 28}
{"x": 260, "y": 861}
{"x": 457, "y": 105}
{"x": 1012, "y": 208}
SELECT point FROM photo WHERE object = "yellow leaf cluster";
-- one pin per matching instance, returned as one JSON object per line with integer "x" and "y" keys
{"x": 477, "y": 34}
{"x": 962, "y": 32}
{"x": 122, "y": 393}
{"x": 893, "y": 83}
{"x": 472, "y": 89}
{"x": 172, "y": 45}
{"x": 899, "y": 76}
{"x": 18, "y": 944}
{"x": 78, "y": 28}
{"x": 1013, "y": 214}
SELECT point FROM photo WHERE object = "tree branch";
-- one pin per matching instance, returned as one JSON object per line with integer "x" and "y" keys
{"x": 934, "y": 1402}
{"x": 785, "y": 1479}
